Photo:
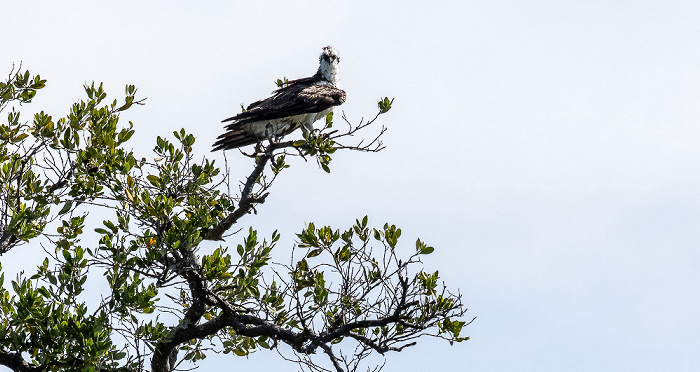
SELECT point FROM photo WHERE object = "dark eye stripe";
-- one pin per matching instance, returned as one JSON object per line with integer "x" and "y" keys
{"x": 330, "y": 57}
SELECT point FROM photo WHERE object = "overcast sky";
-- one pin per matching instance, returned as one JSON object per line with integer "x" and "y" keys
{"x": 549, "y": 150}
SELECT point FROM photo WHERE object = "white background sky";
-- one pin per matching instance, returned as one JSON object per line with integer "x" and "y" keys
{"x": 548, "y": 149}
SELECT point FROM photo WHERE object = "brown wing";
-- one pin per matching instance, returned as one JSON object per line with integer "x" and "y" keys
{"x": 289, "y": 101}
{"x": 292, "y": 100}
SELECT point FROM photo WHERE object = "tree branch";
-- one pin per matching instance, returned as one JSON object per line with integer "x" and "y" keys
{"x": 248, "y": 199}
{"x": 15, "y": 362}
{"x": 165, "y": 353}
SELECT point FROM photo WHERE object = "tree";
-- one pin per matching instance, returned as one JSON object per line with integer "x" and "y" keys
{"x": 169, "y": 303}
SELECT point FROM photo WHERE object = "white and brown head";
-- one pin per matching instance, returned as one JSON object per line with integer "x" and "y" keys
{"x": 328, "y": 65}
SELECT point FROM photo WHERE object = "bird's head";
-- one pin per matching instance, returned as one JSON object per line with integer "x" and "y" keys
{"x": 328, "y": 65}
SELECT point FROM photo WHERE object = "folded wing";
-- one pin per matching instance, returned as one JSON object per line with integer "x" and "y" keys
{"x": 287, "y": 109}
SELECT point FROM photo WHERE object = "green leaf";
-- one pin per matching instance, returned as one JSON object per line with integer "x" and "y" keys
{"x": 153, "y": 179}
{"x": 422, "y": 248}
{"x": 44, "y": 292}
{"x": 385, "y": 105}
{"x": 66, "y": 207}
{"x": 315, "y": 252}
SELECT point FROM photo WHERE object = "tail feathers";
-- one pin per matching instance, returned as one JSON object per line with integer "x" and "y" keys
{"x": 234, "y": 139}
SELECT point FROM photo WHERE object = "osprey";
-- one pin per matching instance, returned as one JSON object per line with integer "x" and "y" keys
{"x": 298, "y": 103}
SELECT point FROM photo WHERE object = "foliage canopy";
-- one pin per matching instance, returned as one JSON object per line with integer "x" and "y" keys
{"x": 167, "y": 304}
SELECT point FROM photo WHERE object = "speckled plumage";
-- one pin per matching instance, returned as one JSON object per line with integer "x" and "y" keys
{"x": 299, "y": 103}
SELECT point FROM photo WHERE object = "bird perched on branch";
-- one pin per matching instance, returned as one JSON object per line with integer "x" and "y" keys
{"x": 297, "y": 103}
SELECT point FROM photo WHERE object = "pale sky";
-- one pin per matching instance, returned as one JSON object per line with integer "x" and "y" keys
{"x": 549, "y": 150}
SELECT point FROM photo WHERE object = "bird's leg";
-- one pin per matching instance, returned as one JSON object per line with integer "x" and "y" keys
{"x": 309, "y": 131}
